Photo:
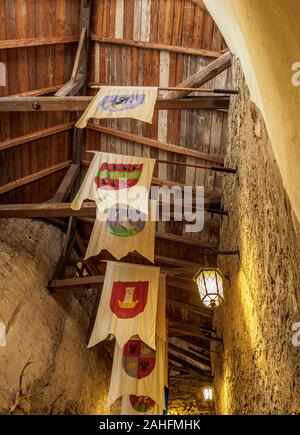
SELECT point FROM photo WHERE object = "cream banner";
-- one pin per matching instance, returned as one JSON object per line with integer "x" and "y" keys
{"x": 116, "y": 179}
{"x": 128, "y": 304}
{"x": 121, "y": 102}
{"x": 139, "y": 405}
{"x": 119, "y": 232}
{"x": 140, "y": 371}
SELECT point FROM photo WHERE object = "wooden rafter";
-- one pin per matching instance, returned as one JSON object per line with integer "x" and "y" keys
{"x": 35, "y": 42}
{"x": 177, "y": 149}
{"x": 200, "y": 3}
{"x": 66, "y": 251}
{"x": 71, "y": 87}
{"x": 79, "y": 54}
{"x": 204, "y": 244}
{"x": 182, "y": 283}
{"x": 45, "y": 210}
{"x": 186, "y": 241}
{"x": 203, "y": 76}
{"x": 156, "y": 46}
{"x": 75, "y": 104}
{"x": 66, "y": 184}
{"x": 191, "y": 308}
{"x": 39, "y": 92}
{"x": 37, "y": 135}
{"x": 179, "y": 351}
{"x": 93, "y": 85}
{"x": 202, "y": 373}
{"x": 76, "y": 283}
{"x": 34, "y": 177}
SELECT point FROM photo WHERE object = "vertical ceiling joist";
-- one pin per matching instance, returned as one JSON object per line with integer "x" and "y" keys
{"x": 80, "y": 69}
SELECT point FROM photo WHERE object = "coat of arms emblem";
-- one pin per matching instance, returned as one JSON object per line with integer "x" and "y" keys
{"x": 142, "y": 403}
{"x": 128, "y": 299}
{"x": 138, "y": 359}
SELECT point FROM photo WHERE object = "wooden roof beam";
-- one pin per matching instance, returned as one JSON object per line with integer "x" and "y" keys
{"x": 44, "y": 210}
{"x": 192, "y": 308}
{"x": 200, "y": 3}
{"x": 155, "y": 46}
{"x": 186, "y": 241}
{"x": 66, "y": 184}
{"x": 39, "y": 92}
{"x": 37, "y": 135}
{"x": 71, "y": 87}
{"x": 203, "y": 76}
{"x": 36, "y": 42}
{"x": 190, "y": 356}
{"x": 177, "y": 149}
{"x": 79, "y": 103}
{"x": 76, "y": 283}
{"x": 203, "y": 373}
{"x": 34, "y": 177}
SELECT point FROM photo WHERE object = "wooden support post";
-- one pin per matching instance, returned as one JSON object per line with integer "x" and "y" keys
{"x": 66, "y": 185}
{"x": 66, "y": 252}
{"x": 80, "y": 68}
{"x": 79, "y": 54}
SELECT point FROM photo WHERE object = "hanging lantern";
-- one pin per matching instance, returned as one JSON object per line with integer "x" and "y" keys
{"x": 207, "y": 393}
{"x": 210, "y": 285}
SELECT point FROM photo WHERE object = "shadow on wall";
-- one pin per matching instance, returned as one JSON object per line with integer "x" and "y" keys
{"x": 265, "y": 35}
{"x": 45, "y": 366}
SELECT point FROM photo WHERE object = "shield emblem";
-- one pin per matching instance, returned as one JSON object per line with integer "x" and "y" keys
{"x": 138, "y": 359}
{"x": 119, "y": 224}
{"x": 128, "y": 299}
{"x": 117, "y": 176}
{"x": 120, "y": 103}
{"x": 142, "y": 403}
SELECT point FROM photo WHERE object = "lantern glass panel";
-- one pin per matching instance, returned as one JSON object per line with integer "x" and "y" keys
{"x": 207, "y": 393}
{"x": 210, "y": 285}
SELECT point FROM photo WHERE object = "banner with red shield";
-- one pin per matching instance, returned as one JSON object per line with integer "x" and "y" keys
{"x": 128, "y": 299}
{"x": 128, "y": 304}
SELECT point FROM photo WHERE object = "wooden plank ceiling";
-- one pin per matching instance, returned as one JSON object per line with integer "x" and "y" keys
{"x": 132, "y": 42}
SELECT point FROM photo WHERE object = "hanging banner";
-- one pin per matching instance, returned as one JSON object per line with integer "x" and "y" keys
{"x": 161, "y": 330}
{"x": 140, "y": 371}
{"x": 121, "y": 233}
{"x": 139, "y": 405}
{"x": 116, "y": 179}
{"x": 121, "y": 102}
{"x": 128, "y": 304}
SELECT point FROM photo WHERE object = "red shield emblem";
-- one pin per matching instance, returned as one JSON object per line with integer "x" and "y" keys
{"x": 128, "y": 299}
{"x": 142, "y": 403}
{"x": 138, "y": 359}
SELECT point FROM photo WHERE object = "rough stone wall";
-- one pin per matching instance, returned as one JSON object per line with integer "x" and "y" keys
{"x": 185, "y": 398}
{"x": 258, "y": 370}
{"x": 45, "y": 367}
